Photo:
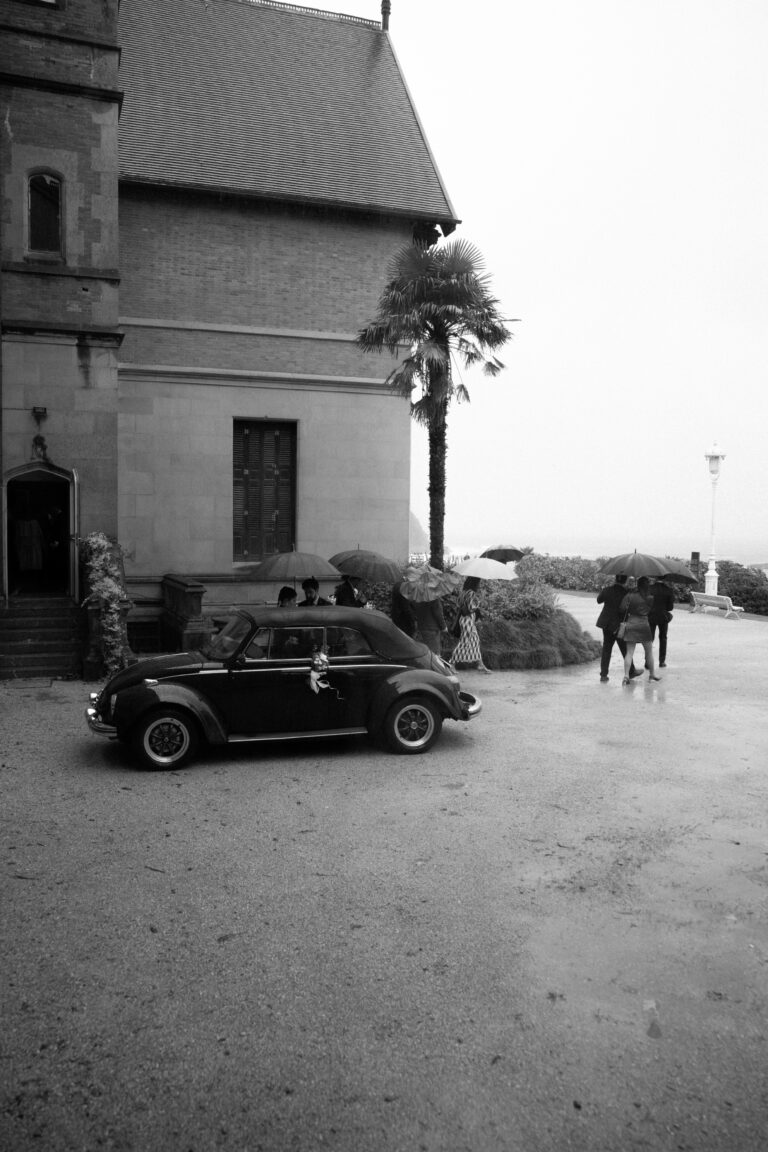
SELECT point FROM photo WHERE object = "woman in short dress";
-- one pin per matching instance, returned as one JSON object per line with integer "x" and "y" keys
{"x": 635, "y": 606}
{"x": 467, "y": 651}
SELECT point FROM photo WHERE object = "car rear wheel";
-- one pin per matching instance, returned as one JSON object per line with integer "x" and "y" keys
{"x": 412, "y": 725}
{"x": 167, "y": 738}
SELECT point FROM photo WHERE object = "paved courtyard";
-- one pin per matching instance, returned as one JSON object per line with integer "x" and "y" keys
{"x": 548, "y": 934}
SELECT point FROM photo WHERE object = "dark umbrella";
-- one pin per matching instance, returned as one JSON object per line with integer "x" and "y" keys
{"x": 503, "y": 553}
{"x": 295, "y": 565}
{"x": 679, "y": 572}
{"x": 369, "y": 566}
{"x": 633, "y": 564}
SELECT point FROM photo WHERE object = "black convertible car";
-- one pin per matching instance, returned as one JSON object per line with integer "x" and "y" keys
{"x": 283, "y": 674}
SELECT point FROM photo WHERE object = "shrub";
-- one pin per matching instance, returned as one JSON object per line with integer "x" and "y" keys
{"x": 747, "y": 587}
{"x": 523, "y": 599}
{"x": 101, "y": 559}
{"x": 569, "y": 573}
{"x": 547, "y": 642}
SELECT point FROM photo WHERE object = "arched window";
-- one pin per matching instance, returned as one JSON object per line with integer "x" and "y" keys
{"x": 45, "y": 205}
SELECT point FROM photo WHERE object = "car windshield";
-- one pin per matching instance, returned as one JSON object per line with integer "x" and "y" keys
{"x": 224, "y": 643}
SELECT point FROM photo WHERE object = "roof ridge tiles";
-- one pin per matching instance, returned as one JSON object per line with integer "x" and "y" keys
{"x": 321, "y": 12}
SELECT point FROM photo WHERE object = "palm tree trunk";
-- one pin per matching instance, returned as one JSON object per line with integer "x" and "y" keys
{"x": 438, "y": 450}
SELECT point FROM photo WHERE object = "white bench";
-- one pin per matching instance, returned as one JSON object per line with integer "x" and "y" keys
{"x": 702, "y": 600}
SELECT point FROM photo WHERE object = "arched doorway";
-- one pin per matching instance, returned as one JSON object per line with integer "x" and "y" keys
{"x": 40, "y": 504}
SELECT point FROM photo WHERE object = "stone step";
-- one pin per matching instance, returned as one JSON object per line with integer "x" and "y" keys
{"x": 41, "y": 636}
{"x": 48, "y": 628}
{"x": 20, "y": 667}
{"x": 40, "y": 643}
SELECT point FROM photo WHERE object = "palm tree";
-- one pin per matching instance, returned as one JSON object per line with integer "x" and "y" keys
{"x": 437, "y": 302}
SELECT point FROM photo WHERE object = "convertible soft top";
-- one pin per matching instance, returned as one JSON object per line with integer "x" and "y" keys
{"x": 383, "y": 636}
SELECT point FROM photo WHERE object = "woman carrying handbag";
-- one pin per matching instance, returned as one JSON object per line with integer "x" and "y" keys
{"x": 636, "y": 606}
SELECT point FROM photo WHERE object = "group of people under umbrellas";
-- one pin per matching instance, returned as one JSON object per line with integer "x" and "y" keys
{"x": 633, "y": 612}
{"x": 416, "y": 595}
{"x": 417, "y": 605}
{"x": 418, "y": 609}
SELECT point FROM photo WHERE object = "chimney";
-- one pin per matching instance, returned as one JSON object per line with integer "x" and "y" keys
{"x": 386, "y": 8}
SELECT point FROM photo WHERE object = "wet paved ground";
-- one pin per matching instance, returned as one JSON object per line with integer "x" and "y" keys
{"x": 548, "y": 934}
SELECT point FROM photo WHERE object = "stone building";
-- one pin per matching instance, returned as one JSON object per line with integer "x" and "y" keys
{"x": 199, "y": 202}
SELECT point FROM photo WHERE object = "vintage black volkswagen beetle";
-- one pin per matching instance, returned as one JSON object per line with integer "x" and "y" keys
{"x": 283, "y": 674}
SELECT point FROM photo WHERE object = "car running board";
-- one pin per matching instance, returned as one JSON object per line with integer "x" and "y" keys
{"x": 325, "y": 732}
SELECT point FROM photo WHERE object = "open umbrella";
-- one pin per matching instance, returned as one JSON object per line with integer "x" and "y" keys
{"x": 422, "y": 582}
{"x": 370, "y": 566}
{"x": 486, "y": 569}
{"x": 503, "y": 553}
{"x": 678, "y": 572}
{"x": 633, "y": 564}
{"x": 295, "y": 566}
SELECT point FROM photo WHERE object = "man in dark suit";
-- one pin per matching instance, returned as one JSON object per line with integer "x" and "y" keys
{"x": 660, "y": 615}
{"x": 609, "y": 619}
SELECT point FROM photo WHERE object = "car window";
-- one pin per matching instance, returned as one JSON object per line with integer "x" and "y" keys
{"x": 295, "y": 643}
{"x": 228, "y": 639}
{"x": 346, "y": 642}
{"x": 258, "y": 646}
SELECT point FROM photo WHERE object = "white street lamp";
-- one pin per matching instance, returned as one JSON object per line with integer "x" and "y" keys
{"x": 713, "y": 458}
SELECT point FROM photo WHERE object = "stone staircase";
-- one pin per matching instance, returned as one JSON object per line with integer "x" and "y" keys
{"x": 41, "y": 636}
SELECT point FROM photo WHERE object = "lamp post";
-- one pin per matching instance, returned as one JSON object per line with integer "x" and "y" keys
{"x": 713, "y": 458}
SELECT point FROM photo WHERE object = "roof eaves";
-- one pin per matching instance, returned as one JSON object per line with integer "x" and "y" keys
{"x": 292, "y": 199}
{"x": 417, "y": 118}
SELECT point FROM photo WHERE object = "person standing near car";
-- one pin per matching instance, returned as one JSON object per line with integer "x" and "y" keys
{"x": 348, "y": 593}
{"x": 609, "y": 619}
{"x": 312, "y": 597}
{"x": 430, "y": 622}
{"x": 660, "y": 615}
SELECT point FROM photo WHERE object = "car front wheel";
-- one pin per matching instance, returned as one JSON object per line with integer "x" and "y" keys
{"x": 167, "y": 738}
{"x": 412, "y": 725}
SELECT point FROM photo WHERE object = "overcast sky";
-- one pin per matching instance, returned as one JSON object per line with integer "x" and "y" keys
{"x": 610, "y": 160}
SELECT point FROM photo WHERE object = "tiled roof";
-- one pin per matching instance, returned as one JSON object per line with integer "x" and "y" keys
{"x": 274, "y": 101}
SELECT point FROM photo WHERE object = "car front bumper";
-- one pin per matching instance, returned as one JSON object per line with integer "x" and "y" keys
{"x": 470, "y": 705}
{"x": 97, "y": 725}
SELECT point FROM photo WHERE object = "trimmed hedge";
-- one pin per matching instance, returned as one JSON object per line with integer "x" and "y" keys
{"x": 549, "y": 642}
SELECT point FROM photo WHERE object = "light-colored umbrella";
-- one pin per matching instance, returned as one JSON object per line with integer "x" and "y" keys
{"x": 633, "y": 564}
{"x": 422, "y": 582}
{"x": 370, "y": 566}
{"x": 503, "y": 553}
{"x": 295, "y": 566}
{"x": 486, "y": 569}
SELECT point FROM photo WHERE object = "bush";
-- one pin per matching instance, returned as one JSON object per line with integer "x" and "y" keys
{"x": 569, "y": 573}
{"x": 522, "y": 627}
{"x": 547, "y": 642}
{"x": 747, "y": 587}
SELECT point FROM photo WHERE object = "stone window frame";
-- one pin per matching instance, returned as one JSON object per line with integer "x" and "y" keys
{"x": 45, "y": 255}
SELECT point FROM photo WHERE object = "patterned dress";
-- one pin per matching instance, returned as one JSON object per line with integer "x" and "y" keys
{"x": 467, "y": 651}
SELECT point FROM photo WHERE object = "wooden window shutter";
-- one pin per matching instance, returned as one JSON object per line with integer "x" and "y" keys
{"x": 264, "y": 488}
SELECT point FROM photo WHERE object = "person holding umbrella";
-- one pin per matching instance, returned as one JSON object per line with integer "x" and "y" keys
{"x": 467, "y": 651}
{"x": 636, "y": 606}
{"x": 660, "y": 615}
{"x": 609, "y": 619}
{"x": 430, "y": 622}
{"x": 348, "y": 593}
